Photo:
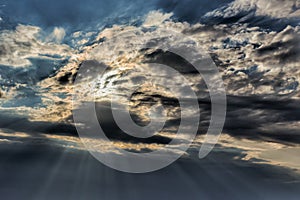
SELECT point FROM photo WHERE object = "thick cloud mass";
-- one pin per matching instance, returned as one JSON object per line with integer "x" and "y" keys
{"x": 275, "y": 15}
{"x": 255, "y": 45}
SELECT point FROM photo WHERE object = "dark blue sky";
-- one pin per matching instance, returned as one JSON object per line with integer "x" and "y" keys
{"x": 79, "y": 14}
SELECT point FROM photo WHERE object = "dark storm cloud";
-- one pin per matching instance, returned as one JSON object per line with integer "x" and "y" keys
{"x": 257, "y": 118}
{"x": 247, "y": 117}
{"x": 287, "y": 51}
{"x": 251, "y": 117}
{"x": 113, "y": 132}
{"x": 21, "y": 123}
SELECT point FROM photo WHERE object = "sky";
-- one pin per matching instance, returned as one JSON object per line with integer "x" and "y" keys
{"x": 254, "y": 44}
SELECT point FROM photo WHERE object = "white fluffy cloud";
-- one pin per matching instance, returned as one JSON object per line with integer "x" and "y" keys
{"x": 18, "y": 46}
{"x": 57, "y": 35}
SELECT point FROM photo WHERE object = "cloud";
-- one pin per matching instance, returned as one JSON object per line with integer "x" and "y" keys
{"x": 275, "y": 15}
{"x": 262, "y": 83}
{"x": 20, "y": 45}
{"x": 263, "y": 152}
{"x": 275, "y": 9}
{"x": 155, "y": 18}
{"x": 57, "y": 35}
{"x": 248, "y": 64}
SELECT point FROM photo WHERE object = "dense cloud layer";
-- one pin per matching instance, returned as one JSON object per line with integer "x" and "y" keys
{"x": 259, "y": 66}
